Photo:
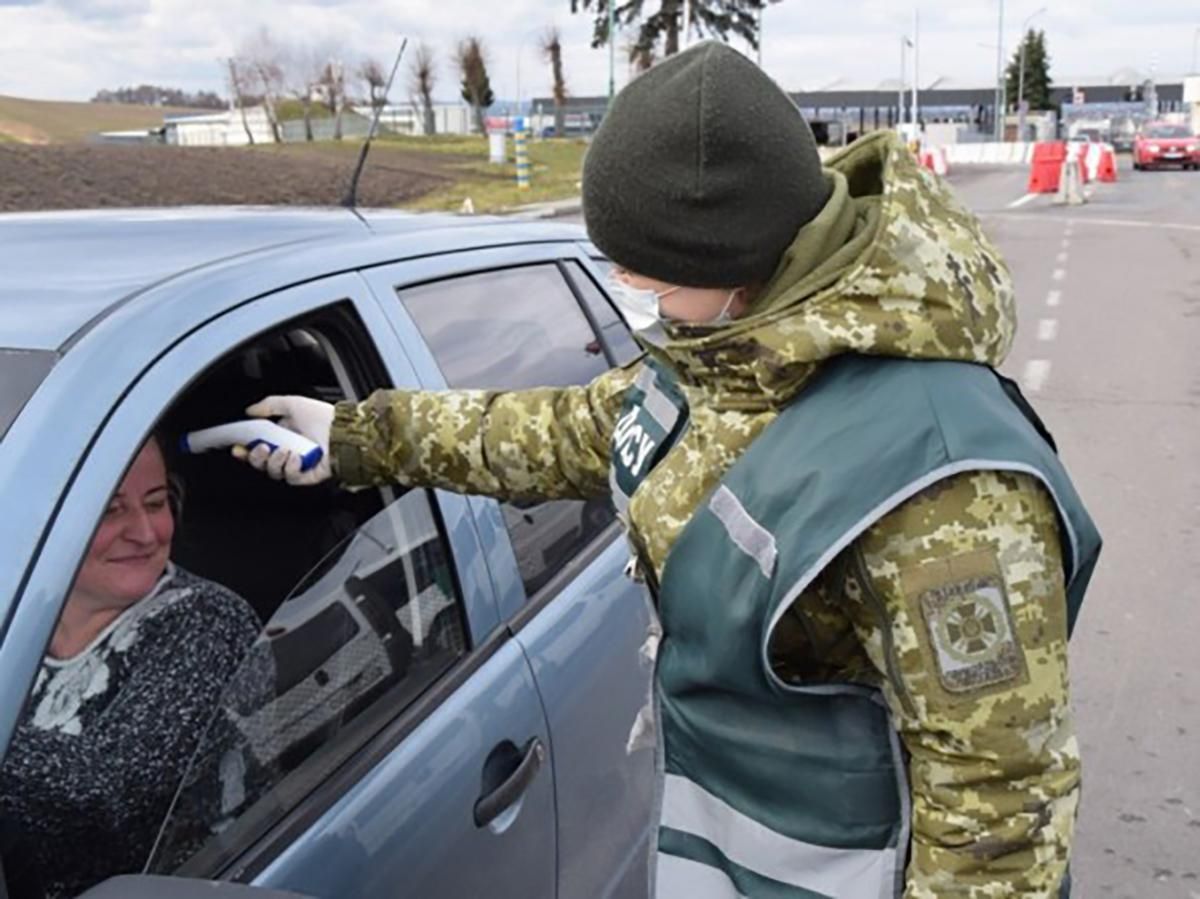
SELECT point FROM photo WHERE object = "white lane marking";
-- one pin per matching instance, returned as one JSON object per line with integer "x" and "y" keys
{"x": 1109, "y": 223}
{"x": 1059, "y": 274}
{"x": 1061, "y": 258}
{"x": 1036, "y": 373}
{"x": 1047, "y": 329}
{"x": 1053, "y": 298}
{"x": 1066, "y": 244}
{"x": 1021, "y": 201}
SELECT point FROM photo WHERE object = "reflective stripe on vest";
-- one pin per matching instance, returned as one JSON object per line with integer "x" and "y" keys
{"x": 741, "y": 857}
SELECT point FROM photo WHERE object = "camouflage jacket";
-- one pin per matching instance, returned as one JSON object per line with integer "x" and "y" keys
{"x": 894, "y": 265}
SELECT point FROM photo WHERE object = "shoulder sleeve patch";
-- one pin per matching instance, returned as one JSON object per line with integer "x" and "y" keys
{"x": 968, "y": 621}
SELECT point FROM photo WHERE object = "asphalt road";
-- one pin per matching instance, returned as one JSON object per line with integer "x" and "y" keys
{"x": 1109, "y": 303}
{"x": 1108, "y": 349}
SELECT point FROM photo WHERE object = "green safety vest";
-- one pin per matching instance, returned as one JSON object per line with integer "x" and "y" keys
{"x": 770, "y": 789}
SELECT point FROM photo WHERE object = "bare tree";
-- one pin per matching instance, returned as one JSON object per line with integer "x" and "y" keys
{"x": 239, "y": 95}
{"x": 476, "y": 86}
{"x": 303, "y": 67}
{"x": 422, "y": 76}
{"x": 371, "y": 72}
{"x": 552, "y": 51}
{"x": 264, "y": 61}
{"x": 333, "y": 88}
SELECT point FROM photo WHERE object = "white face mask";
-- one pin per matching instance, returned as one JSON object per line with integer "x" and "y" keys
{"x": 642, "y": 308}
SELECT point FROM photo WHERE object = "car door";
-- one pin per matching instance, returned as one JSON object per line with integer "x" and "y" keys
{"x": 398, "y": 740}
{"x": 520, "y": 317}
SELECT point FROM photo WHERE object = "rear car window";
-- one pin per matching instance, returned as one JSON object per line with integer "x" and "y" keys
{"x": 21, "y": 371}
{"x": 512, "y": 329}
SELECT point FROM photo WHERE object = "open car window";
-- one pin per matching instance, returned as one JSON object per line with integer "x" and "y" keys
{"x": 366, "y": 632}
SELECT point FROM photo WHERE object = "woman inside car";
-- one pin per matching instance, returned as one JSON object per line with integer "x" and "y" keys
{"x": 132, "y": 677}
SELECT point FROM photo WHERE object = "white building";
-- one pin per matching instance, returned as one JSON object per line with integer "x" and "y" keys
{"x": 218, "y": 129}
{"x": 406, "y": 118}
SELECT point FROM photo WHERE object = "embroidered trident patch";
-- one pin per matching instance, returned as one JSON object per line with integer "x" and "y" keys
{"x": 970, "y": 628}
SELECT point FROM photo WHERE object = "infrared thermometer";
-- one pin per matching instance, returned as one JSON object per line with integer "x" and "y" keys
{"x": 250, "y": 433}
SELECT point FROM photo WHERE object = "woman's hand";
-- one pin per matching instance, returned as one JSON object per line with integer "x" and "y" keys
{"x": 307, "y": 417}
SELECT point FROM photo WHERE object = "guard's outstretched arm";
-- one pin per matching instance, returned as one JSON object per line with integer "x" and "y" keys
{"x": 546, "y": 443}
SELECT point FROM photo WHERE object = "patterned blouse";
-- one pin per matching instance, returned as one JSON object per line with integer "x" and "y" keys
{"x": 108, "y": 734}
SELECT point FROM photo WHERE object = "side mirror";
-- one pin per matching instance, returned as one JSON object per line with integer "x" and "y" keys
{"x": 151, "y": 886}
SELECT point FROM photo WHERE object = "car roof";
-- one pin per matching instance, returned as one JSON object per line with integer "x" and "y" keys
{"x": 60, "y": 271}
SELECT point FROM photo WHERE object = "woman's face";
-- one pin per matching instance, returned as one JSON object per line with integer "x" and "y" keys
{"x": 130, "y": 548}
{"x": 690, "y": 305}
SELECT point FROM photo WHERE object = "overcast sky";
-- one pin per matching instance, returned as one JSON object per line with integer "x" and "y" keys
{"x": 69, "y": 49}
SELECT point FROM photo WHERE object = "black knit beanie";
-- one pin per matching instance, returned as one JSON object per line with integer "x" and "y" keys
{"x": 702, "y": 172}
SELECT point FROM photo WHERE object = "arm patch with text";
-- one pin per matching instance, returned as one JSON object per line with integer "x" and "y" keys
{"x": 969, "y": 624}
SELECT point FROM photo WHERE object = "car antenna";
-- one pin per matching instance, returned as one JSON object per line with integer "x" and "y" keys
{"x": 351, "y": 198}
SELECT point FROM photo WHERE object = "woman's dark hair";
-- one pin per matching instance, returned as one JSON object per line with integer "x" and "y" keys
{"x": 168, "y": 445}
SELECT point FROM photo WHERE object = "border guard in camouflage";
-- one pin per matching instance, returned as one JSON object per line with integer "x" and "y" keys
{"x": 866, "y": 555}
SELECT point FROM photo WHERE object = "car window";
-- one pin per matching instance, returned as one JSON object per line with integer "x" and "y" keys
{"x": 21, "y": 371}
{"x": 508, "y": 330}
{"x": 356, "y": 591}
{"x": 604, "y": 314}
{"x": 375, "y": 624}
{"x": 1168, "y": 131}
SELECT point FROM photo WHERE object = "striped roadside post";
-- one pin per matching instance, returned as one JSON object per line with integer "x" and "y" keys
{"x": 521, "y": 146}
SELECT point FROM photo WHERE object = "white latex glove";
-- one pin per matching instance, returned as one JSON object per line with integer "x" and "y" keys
{"x": 308, "y": 417}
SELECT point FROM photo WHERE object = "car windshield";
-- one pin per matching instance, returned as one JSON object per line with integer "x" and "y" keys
{"x": 1168, "y": 131}
{"x": 21, "y": 371}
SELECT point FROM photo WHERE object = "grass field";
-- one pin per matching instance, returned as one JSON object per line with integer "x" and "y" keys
{"x": 556, "y": 166}
{"x": 461, "y": 161}
{"x": 54, "y": 122}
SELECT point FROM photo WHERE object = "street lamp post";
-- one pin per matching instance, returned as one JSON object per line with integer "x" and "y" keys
{"x": 1021, "y": 75}
{"x": 761, "y": 9}
{"x": 1000, "y": 76}
{"x": 904, "y": 44}
{"x": 916, "y": 88}
{"x": 612, "y": 43}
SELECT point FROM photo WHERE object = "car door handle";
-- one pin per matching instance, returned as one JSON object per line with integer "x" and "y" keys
{"x": 491, "y": 805}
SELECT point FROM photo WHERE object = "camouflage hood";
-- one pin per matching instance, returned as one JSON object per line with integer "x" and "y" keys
{"x": 893, "y": 266}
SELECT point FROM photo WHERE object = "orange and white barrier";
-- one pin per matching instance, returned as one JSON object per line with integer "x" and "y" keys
{"x": 1100, "y": 163}
{"x": 1045, "y": 169}
{"x": 934, "y": 159}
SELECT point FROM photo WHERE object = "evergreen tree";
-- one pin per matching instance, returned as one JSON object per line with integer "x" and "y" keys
{"x": 710, "y": 18}
{"x": 1037, "y": 73}
{"x": 476, "y": 86}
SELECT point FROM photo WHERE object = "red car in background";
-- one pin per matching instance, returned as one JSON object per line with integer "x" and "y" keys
{"x": 1161, "y": 144}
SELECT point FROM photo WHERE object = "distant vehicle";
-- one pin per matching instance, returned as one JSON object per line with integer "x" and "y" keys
{"x": 1123, "y": 142}
{"x": 440, "y": 698}
{"x": 1161, "y": 144}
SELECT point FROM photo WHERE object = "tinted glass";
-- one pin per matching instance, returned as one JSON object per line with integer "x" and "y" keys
{"x": 1168, "y": 131}
{"x": 365, "y": 633}
{"x": 611, "y": 325}
{"x": 508, "y": 330}
{"x": 21, "y": 371}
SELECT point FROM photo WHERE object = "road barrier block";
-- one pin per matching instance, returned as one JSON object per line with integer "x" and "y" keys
{"x": 934, "y": 159}
{"x": 1106, "y": 171}
{"x": 1045, "y": 171}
